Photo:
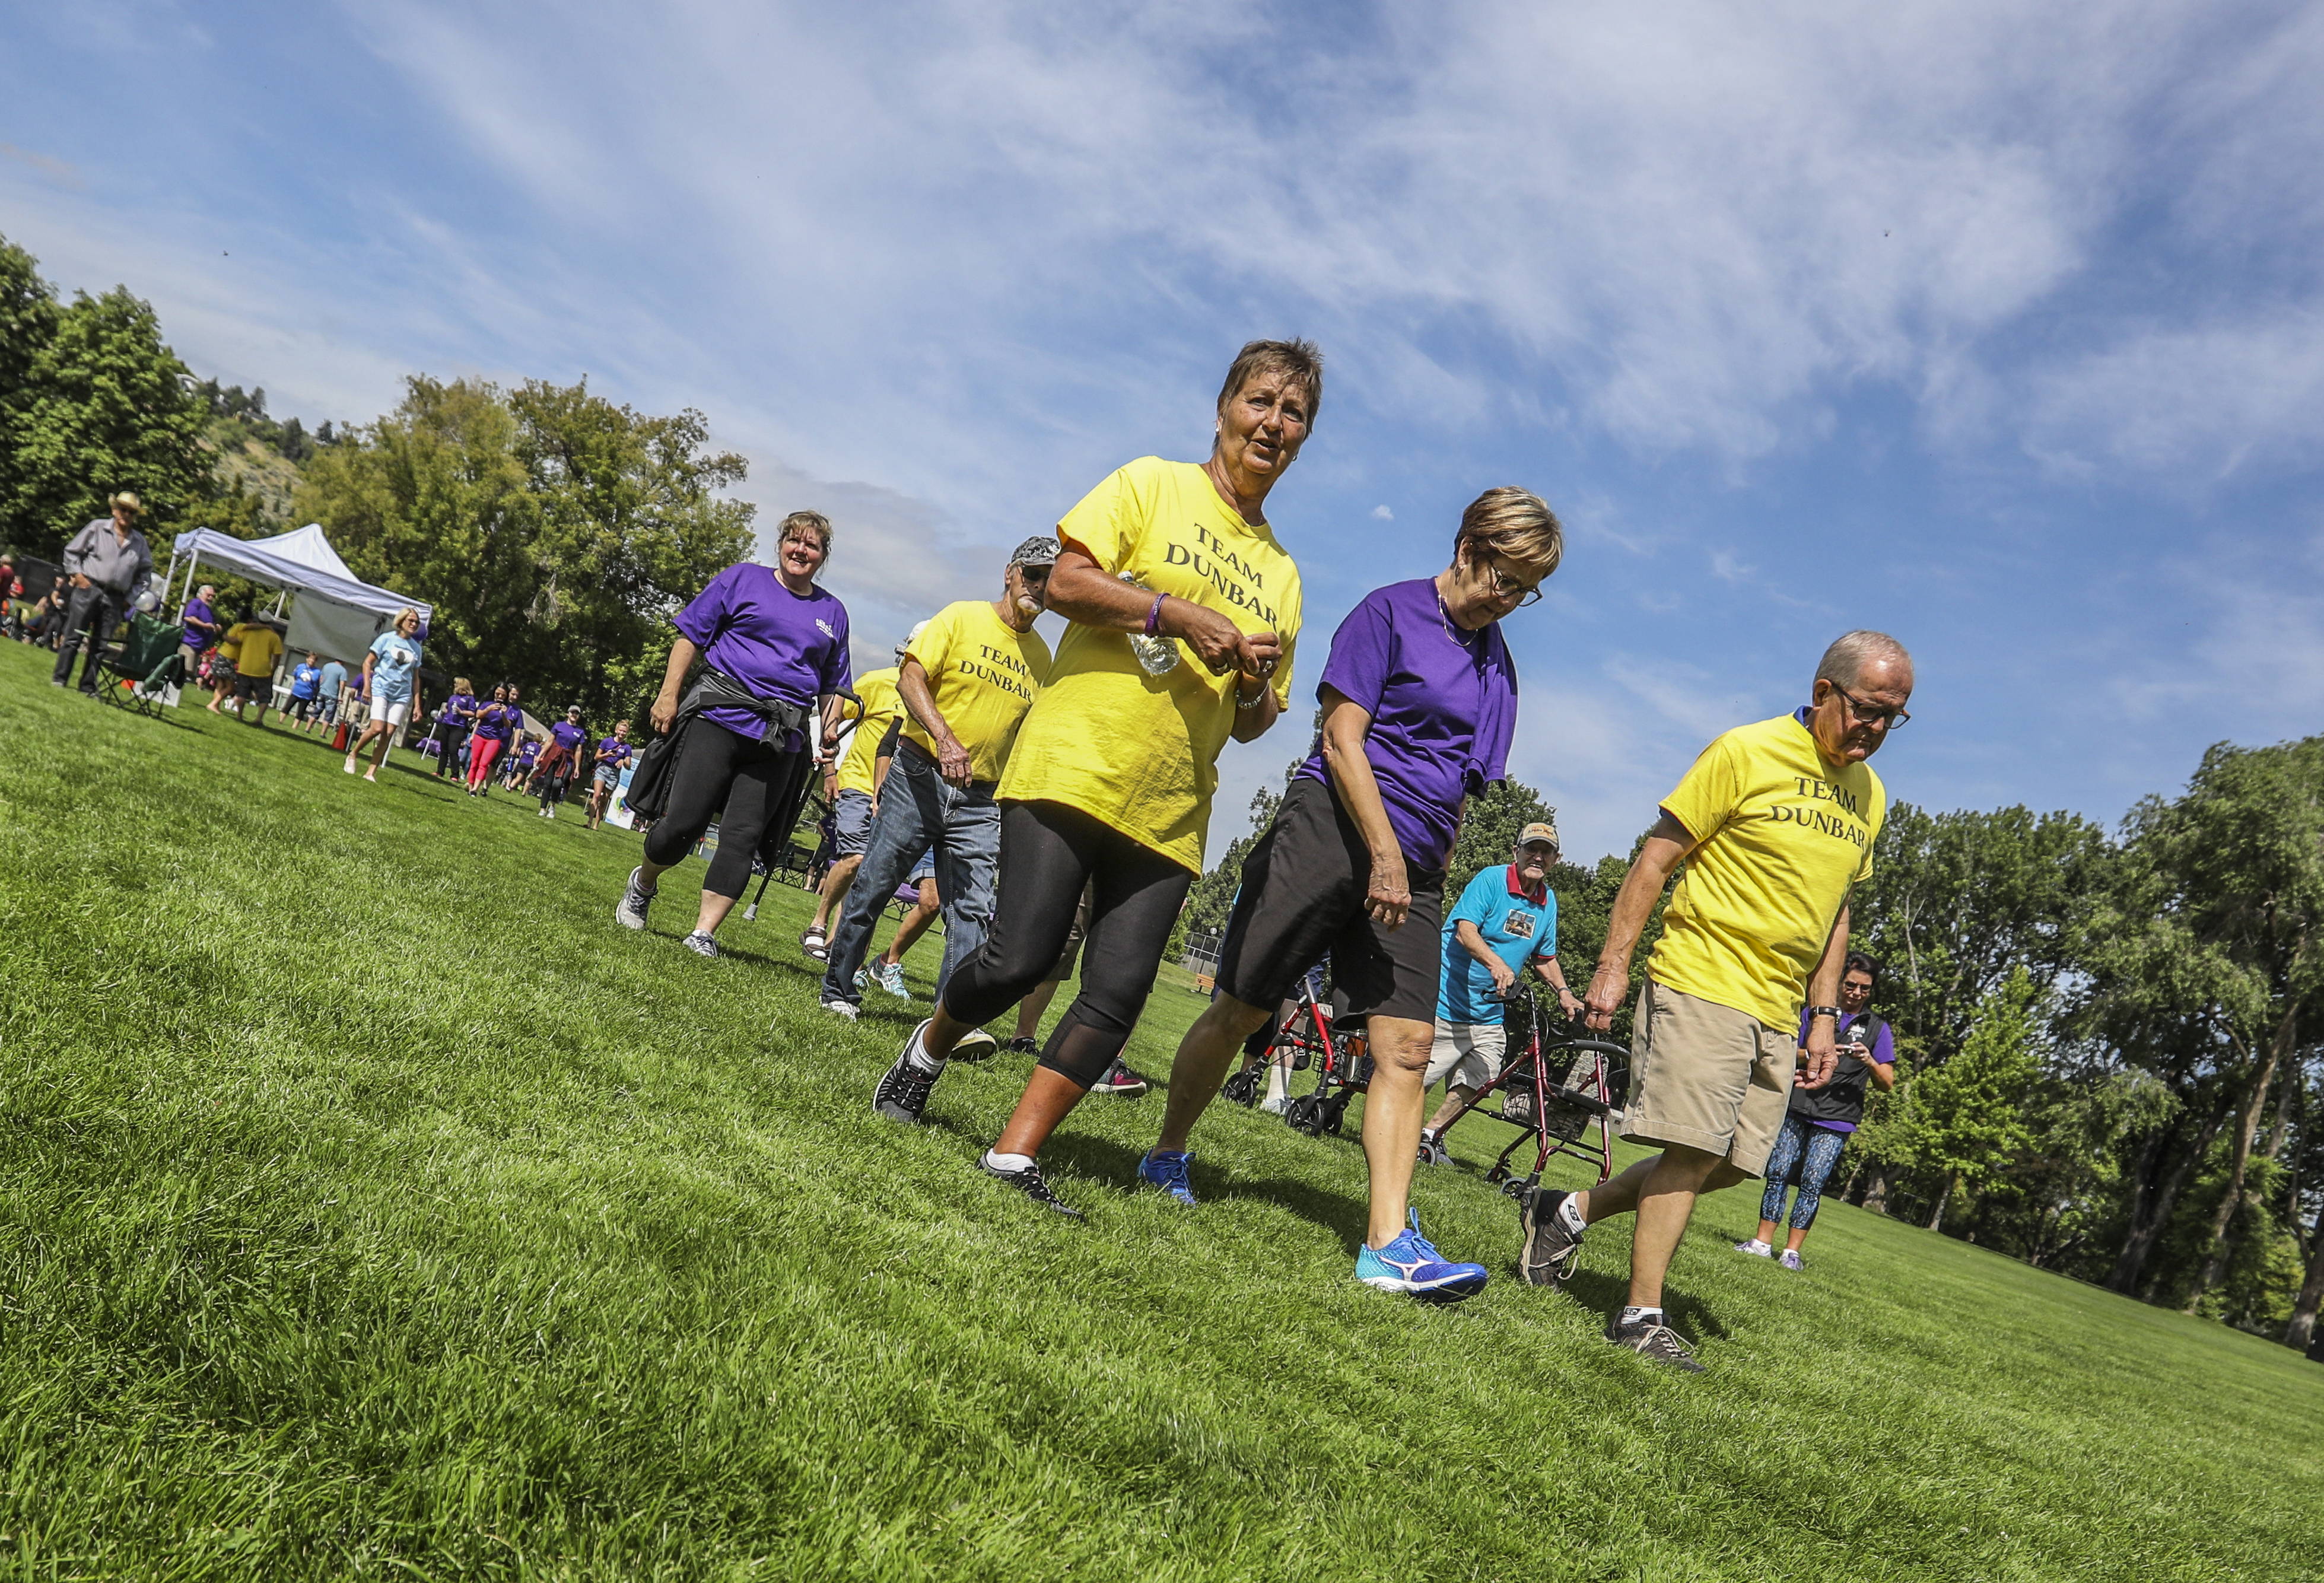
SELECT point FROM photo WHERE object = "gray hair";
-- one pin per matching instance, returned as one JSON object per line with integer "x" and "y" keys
{"x": 1843, "y": 663}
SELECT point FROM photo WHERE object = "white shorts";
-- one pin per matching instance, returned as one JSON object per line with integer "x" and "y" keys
{"x": 1469, "y": 1054}
{"x": 394, "y": 713}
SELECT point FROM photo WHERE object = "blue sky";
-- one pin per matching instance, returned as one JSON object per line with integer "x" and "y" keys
{"x": 1999, "y": 330}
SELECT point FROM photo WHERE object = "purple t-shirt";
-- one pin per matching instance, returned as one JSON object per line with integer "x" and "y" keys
{"x": 784, "y": 646}
{"x": 612, "y": 751}
{"x": 201, "y": 637}
{"x": 568, "y": 734}
{"x": 1442, "y": 711}
{"x": 1883, "y": 1051}
{"x": 493, "y": 721}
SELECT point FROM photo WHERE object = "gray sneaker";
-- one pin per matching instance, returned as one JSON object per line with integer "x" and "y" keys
{"x": 1552, "y": 1247}
{"x": 630, "y": 911}
{"x": 903, "y": 1091}
{"x": 1653, "y": 1342}
{"x": 1791, "y": 1260}
{"x": 701, "y": 945}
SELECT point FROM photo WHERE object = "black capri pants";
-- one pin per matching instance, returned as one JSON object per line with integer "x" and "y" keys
{"x": 1049, "y": 853}
{"x": 724, "y": 776}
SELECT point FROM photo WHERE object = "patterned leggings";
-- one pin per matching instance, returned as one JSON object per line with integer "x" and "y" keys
{"x": 1822, "y": 1146}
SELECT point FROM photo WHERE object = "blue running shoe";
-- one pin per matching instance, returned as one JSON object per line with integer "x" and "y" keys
{"x": 1167, "y": 1169}
{"x": 1411, "y": 1265}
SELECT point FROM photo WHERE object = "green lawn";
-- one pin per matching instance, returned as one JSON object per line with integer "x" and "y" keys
{"x": 375, "y": 1207}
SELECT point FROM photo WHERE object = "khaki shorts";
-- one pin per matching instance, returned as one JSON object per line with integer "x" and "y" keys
{"x": 1467, "y": 1053}
{"x": 1706, "y": 1076}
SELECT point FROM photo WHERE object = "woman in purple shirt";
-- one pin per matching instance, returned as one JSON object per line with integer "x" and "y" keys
{"x": 487, "y": 738}
{"x": 1419, "y": 702}
{"x": 774, "y": 644}
{"x": 557, "y": 767}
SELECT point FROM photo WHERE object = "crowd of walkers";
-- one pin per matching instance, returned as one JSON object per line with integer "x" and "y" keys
{"x": 1061, "y": 804}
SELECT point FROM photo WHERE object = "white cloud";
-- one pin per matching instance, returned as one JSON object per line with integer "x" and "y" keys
{"x": 1383, "y": 513}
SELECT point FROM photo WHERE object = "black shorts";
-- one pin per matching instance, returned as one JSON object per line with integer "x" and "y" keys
{"x": 260, "y": 689}
{"x": 1303, "y": 894}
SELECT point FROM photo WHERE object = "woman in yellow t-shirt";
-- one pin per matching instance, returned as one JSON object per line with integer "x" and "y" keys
{"x": 1184, "y": 611}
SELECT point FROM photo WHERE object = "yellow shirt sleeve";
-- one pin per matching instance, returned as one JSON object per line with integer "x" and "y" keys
{"x": 1707, "y": 794}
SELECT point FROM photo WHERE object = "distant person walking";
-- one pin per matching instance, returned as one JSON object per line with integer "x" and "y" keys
{"x": 488, "y": 740}
{"x": 774, "y": 644}
{"x": 554, "y": 773}
{"x": 391, "y": 682}
{"x": 1183, "y": 611}
{"x": 108, "y": 565}
{"x": 198, "y": 627}
{"x": 258, "y": 647}
{"x": 333, "y": 683}
{"x": 855, "y": 793}
{"x": 306, "y": 681}
{"x": 613, "y": 755}
{"x": 453, "y": 720}
{"x": 1775, "y": 823}
{"x": 1822, "y": 1118}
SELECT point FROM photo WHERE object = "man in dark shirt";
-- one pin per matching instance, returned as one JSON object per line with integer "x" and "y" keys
{"x": 109, "y": 564}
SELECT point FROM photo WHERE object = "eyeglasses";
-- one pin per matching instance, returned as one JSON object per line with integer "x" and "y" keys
{"x": 1864, "y": 713}
{"x": 1504, "y": 584}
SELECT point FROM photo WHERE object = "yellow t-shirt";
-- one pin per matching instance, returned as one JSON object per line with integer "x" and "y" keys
{"x": 261, "y": 647}
{"x": 1782, "y": 834}
{"x": 983, "y": 676}
{"x": 1137, "y": 751}
{"x": 881, "y": 704}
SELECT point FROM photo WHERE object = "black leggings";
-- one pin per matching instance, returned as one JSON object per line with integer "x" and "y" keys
{"x": 1048, "y": 852}
{"x": 724, "y": 776}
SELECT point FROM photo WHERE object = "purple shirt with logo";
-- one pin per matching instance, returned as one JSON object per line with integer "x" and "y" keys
{"x": 568, "y": 734}
{"x": 612, "y": 751}
{"x": 780, "y": 646}
{"x": 493, "y": 721}
{"x": 1443, "y": 705}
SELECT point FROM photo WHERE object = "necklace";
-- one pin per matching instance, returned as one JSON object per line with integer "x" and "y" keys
{"x": 1451, "y": 629}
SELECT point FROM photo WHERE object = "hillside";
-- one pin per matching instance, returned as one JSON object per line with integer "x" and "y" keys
{"x": 375, "y": 1207}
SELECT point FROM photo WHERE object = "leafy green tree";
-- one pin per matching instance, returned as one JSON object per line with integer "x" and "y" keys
{"x": 2210, "y": 955}
{"x": 96, "y": 403}
{"x": 1961, "y": 1122}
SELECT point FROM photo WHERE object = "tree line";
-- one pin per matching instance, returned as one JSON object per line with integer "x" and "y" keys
{"x": 553, "y": 531}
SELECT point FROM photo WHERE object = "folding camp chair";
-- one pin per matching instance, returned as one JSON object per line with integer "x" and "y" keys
{"x": 148, "y": 663}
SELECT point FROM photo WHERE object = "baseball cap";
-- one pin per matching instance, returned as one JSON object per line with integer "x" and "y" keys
{"x": 1538, "y": 830}
{"x": 910, "y": 637}
{"x": 1036, "y": 551}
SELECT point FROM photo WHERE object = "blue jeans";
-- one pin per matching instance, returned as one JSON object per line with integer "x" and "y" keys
{"x": 918, "y": 808}
{"x": 1821, "y": 1146}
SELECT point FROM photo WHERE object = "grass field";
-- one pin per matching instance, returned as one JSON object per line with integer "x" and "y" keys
{"x": 375, "y": 1207}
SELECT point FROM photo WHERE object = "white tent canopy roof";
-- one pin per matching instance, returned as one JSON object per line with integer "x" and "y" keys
{"x": 302, "y": 562}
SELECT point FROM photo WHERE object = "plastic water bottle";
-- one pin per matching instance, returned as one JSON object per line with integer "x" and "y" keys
{"x": 1159, "y": 655}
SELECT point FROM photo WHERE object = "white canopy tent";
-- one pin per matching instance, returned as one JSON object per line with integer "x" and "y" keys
{"x": 337, "y": 613}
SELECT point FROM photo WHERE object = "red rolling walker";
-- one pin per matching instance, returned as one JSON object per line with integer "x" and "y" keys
{"x": 1551, "y": 1093}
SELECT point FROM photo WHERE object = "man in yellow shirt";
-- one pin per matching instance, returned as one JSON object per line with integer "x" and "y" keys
{"x": 855, "y": 791}
{"x": 1773, "y": 822}
{"x": 968, "y": 677}
{"x": 259, "y": 646}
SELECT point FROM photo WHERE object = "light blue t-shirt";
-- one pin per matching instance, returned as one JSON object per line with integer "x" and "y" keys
{"x": 334, "y": 677}
{"x": 1517, "y": 928}
{"x": 391, "y": 674}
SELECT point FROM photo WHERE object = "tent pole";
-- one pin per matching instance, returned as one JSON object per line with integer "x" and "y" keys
{"x": 192, "y": 561}
{"x": 170, "y": 575}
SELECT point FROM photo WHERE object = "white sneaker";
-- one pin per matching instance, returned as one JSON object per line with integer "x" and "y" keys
{"x": 1277, "y": 1105}
{"x": 1791, "y": 1260}
{"x": 1755, "y": 1249}
{"x": 845, "y": 1009}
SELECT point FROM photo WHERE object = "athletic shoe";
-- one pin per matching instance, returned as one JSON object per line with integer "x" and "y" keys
{"x": 1411, "y": 1265}
{"x": 1656, "y": 1343}
{"x": 1755, "y": 1249}
{"x": 1432, "y": 1152}
{"x": 349, "y": 765}
{"x": 903, "y": 1092}
{"x": 974, "y": 1045}
{"x": 1120, "y": 1080}
{"x": 1033, "y": 1185}
{"x": 816, "y": 944}
{"x": 1025, "y": 1044}
{"x": 1276, "y": 1106}
{"x": 863, "y": 980}
{"x": 701, "y": 945}
{"x": 1552, "y": 1247}
{"x": 630, "y": 912}
{"x": 838, "y": 1007}
{"x": 1791, "y": 1260}
{"x": 890, "y": 975}
{"x": 1165, "y": 1169}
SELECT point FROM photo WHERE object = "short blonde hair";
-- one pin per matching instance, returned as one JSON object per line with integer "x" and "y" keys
{"x": 400, "y": 614}
{"x": 1301, "y": 361}
{"x": 460, "y": 684}
{"x": 1513, "y": 522}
